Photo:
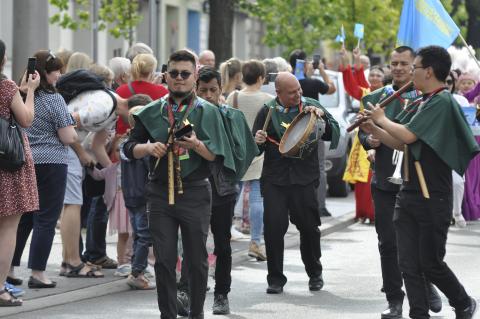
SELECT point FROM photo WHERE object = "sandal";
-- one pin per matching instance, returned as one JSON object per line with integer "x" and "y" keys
{"x": 106, "y": 263}
{"x": 12, "y": 302}
{"x": 63, "y": 269}
{"x": 75, "y": 272}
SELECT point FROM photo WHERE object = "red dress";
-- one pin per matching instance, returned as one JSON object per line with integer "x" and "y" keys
{"x": 363, "y": 196}
{"x": 18, "y": 190}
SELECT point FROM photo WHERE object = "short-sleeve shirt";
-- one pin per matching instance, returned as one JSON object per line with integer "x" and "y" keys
{"x": 51, "y": 114}
{"x": 313, "y": 87}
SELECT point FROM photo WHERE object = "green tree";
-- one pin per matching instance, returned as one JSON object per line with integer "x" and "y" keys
{"x": 119, "y": 17}
{"x": 297, "y": 23}
{"x": 303, "y": 23}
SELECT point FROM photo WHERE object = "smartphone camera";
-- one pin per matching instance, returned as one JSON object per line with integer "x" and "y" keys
{"x": 31, "y": 64}
{"x": 316, "y": 61}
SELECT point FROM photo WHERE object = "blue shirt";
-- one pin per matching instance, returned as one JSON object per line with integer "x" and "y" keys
{"x": 51, "y": 114}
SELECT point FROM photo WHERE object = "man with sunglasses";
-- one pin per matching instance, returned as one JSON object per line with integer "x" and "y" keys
{"x": 207, "y": 142}
{"x": 423, "y": 213}
{"x": 224, "y": 193}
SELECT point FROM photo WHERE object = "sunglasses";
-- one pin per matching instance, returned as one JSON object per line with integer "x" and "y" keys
{"x": 50, "y": 56}
{"x": 184, "y": 74}
{"x": 449, "y": 82}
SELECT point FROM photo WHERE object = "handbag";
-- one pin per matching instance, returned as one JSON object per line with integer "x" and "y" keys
{"x": 12, "y": 154}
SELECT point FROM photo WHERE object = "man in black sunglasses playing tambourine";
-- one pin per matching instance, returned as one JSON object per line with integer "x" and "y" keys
{"x": 185, "y": 132}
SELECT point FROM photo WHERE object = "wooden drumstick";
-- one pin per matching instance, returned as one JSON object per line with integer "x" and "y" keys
{"x": 267, "y": 120}
{"x": 421, "y": 180}
{"x": 406, "y": 173}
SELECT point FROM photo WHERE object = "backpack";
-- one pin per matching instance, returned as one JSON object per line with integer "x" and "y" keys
{"x": 72, "y": 84}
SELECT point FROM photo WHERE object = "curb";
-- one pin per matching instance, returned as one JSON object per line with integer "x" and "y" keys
{"x": 291, "y": 240}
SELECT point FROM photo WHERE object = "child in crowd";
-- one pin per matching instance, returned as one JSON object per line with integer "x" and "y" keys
{"x": 118, "y": 217}
{"x": 134, "y": 179}
{"x": 466, "y": 82}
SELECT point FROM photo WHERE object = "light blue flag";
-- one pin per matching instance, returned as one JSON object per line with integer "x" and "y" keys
{"x": 341, "y": 36}
{"x": 425, "y": 22}
{"x": 358, "y": 31}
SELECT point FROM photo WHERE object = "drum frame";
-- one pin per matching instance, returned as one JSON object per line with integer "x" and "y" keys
{"x": 299, "y": 148}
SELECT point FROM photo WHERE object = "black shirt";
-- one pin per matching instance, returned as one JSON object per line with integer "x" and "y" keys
{"x": 438, "y": 175}
{"x": 280, "y": 170}
{"x": 313, "y": 87}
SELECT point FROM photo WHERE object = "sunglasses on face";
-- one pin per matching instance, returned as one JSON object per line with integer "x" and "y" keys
{"x": 183, "y": 74}
{"x": 449, "y": 82}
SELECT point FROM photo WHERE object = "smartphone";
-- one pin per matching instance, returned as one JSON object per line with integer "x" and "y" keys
{"x": 31, "y": 64}
{"x": 164, "y": 70}
{"x": 184, "y": 131}
{"x": 316, "y": 61}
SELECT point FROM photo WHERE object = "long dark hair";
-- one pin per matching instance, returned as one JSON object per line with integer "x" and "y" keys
{"x": 3, "y": 48}
{"x": 46, "y": 62}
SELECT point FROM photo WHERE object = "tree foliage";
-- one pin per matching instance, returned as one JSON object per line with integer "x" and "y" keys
{"x": 303, "y": 23}
{"x": 119, "y": 17}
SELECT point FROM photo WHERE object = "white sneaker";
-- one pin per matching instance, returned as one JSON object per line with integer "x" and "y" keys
{"x": 236, "y": 235}
{"x": 149, "y": 272}
{"x": 123, "y": 270}
{"x": 460, "y": 223}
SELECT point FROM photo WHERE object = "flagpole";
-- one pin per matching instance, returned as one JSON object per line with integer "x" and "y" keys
{"x": 358, "y": 43}
{"x": 468, "y": 49}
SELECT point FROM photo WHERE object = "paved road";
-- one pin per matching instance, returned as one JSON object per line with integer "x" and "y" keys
{"x": 352, "y": 289}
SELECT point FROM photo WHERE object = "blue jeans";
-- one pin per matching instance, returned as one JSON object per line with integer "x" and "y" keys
{"x": 96, "y": 246}
{"x": 142, "y": 239}
{"x": 255, "y": 202}
{"x": 51, "y": 183}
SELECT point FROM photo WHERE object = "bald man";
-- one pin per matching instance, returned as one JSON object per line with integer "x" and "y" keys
{"x": 289, "y": 184}
{"x": 207, "y": 57}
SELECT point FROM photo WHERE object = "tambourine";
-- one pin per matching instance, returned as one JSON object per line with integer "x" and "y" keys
{"x": 299, "y": 139}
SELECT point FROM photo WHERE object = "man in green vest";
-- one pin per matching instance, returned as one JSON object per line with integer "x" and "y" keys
{"x": 224, "y": 192}
{"x": 438, "y": 140}
{"x": 192, "y": 155}
{"x": 288, "y": 184}
{"x": 384, "y": 192}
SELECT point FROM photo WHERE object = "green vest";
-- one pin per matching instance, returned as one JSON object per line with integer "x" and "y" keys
{"x": 243, "y": 146}
{"x": 281, "y": 120}
{"x": 441, "y": 125}
{"x": 207, "y": 124}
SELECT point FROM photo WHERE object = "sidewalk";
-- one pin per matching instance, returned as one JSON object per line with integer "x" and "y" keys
{"x": 75, "y": 289}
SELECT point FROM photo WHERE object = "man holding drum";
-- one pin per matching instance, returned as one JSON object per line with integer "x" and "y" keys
{"x": 289, "y": 184}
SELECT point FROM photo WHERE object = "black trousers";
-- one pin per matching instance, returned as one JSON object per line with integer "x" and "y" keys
{"x": 51, "y": 183}
{"x": 191, "y": 212}
{"x": 220, "y": 223}
{"x": 384, "y": 202}
{"x": 422, "y": 226}
{"x": 300, "y": 202}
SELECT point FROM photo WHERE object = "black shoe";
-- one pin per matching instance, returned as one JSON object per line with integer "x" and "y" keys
{"x": 394, "y": 311}
{"x": 324, "y": 212}
{"x": 34, "y": 283}
{"x": 468, "y": 312}
{"x": 183, "y": 304}
{"x": 434, "y": 300}
{"x": 221, "y": 305}
{"x": 274, "y": 289}
{"x": 315, "y": 283}
{"x": 14, "y": 281}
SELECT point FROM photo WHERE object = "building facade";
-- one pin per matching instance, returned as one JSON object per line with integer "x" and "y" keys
{"x": 167, "y": 25}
